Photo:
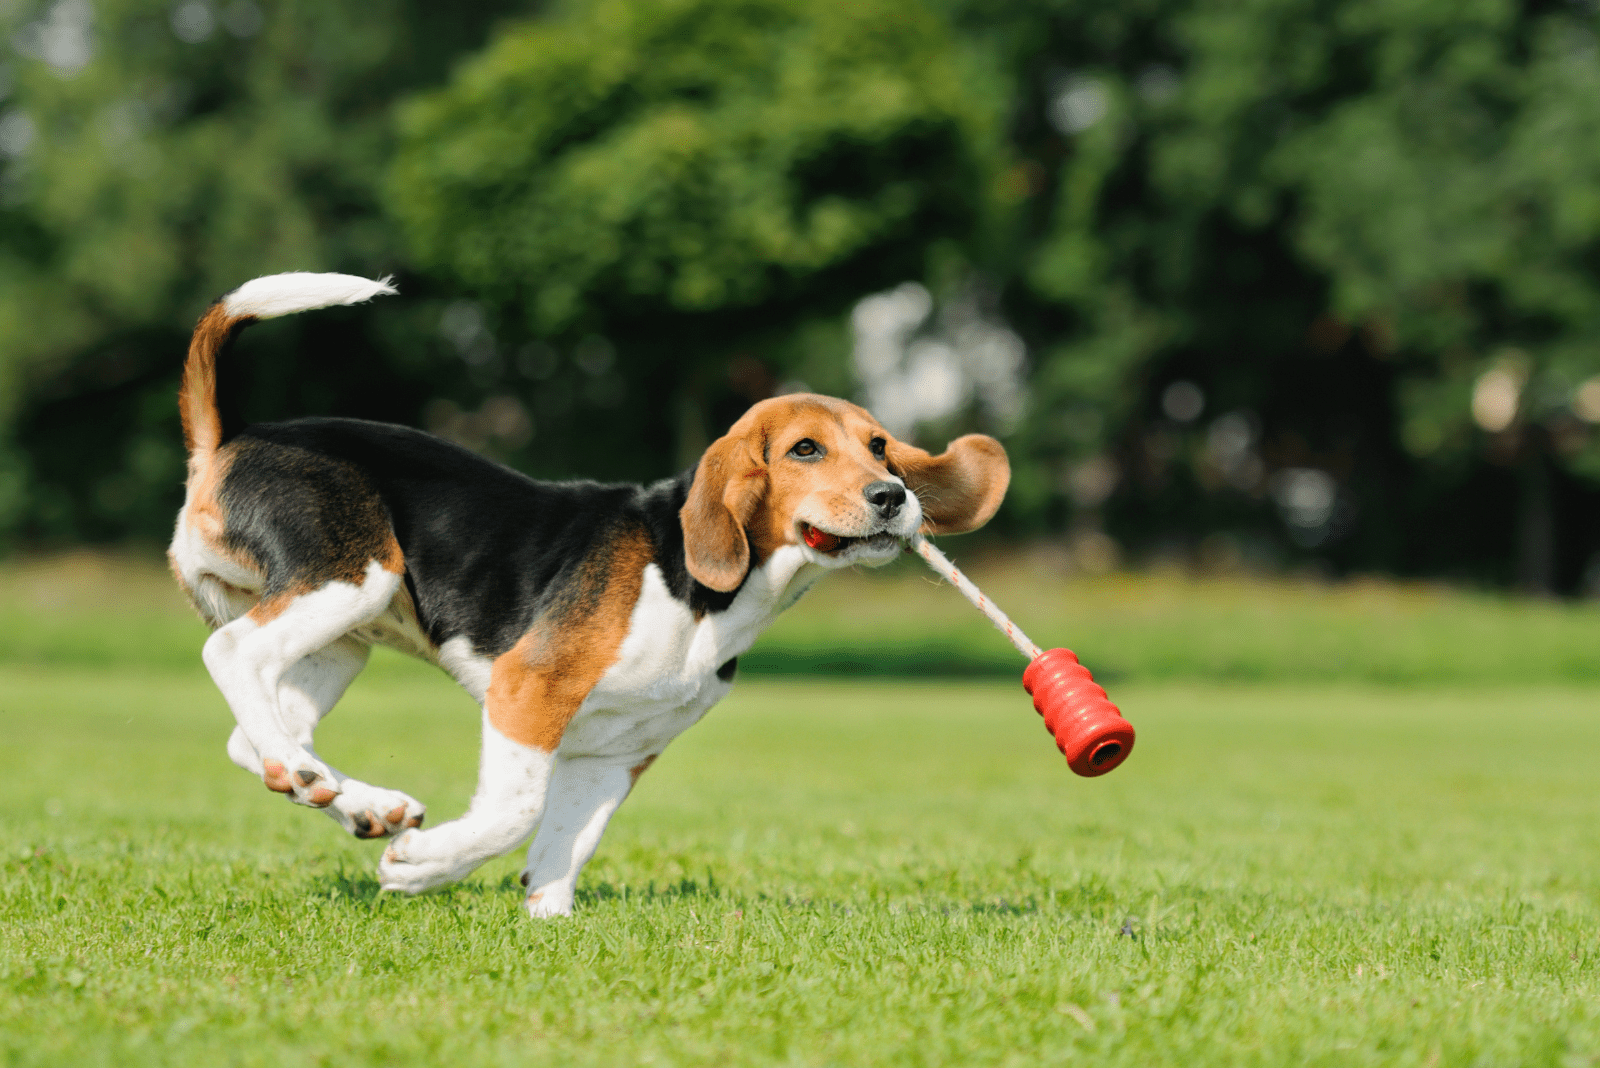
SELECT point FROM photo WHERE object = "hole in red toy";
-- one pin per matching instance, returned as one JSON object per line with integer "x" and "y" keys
{"x": 1108, "y": 752}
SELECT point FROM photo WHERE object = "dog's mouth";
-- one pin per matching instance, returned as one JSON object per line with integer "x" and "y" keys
{"x": 832, "y": 544}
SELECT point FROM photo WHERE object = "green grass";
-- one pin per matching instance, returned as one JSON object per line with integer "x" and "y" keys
{"x": 1157, "y": 627}
{"x": 823, "y": 872}
{"x": 1167, "y": 626}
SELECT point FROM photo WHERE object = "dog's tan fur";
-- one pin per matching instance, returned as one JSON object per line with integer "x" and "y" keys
{"x": 741, "y": 507}
{"x": 538, "y": 685}
{"x": 747, "y": 491}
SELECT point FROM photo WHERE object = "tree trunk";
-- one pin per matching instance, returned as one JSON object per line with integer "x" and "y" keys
{"x": 1536, "y": 526}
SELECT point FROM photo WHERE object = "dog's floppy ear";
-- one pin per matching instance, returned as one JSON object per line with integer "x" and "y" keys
{"x": 959, "y": 489}
{"x": 728, "y": 486}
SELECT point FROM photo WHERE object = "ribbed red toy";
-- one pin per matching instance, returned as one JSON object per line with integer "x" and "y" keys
{"x": 1087, "y": 727}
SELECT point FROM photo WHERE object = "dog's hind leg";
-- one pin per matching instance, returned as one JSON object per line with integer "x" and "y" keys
{"x": 308, "y": 691}
{"x": 250, "y": 658}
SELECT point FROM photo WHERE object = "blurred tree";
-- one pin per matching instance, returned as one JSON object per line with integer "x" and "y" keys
{"x": 1360, "y": 237}
{"x": 153, "y": 157}
{"x": 1456, "y": 208}
{"x": 692, "y": 180}
{"x": 1315, "y": 277}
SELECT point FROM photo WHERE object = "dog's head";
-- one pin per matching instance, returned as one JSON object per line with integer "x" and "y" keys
{"x": 821, "y": 474}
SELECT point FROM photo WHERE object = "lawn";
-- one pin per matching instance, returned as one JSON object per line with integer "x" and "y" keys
{"x": 869, "y": 871}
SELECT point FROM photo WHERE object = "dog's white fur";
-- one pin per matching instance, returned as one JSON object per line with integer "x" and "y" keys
{"x": 299, "y": 291}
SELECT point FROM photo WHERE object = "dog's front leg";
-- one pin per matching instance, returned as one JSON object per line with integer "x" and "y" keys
{"x": 512, "y": 781}
{"x": 535, "y": 690}
{"x": 584, "y": 793}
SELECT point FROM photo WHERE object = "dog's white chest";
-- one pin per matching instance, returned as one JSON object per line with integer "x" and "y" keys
{"x": 665, "y": 677}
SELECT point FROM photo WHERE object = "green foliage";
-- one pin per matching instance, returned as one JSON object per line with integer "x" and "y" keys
{"x": 699, "y": 181}
{"x": 636, "y": 158}
{"x": 1352, "y": 222}
{"x": 147, "y": 175}
{"x": 1447, "y": 190}
{"x": 1367, "y": 231}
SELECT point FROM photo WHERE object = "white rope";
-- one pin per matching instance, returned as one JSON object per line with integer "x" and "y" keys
{"x": 941, "y": 563}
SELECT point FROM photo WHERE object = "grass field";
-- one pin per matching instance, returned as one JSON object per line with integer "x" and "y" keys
{"x": 899, "y": 622}
{"x": 877, "y": 871}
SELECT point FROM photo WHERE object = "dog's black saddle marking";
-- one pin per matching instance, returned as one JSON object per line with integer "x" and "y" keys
{"x": 487, "y": 549}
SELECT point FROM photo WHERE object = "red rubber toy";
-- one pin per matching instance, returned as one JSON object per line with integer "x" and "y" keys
{"x": 1087, "y": 727}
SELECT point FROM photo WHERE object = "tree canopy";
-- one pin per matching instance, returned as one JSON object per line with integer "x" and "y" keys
{"x": 684, "y": 177}
{"x": 1366, "y": 232}
{"x": 1297, "y": 281}
{"x": 152, "y": 158}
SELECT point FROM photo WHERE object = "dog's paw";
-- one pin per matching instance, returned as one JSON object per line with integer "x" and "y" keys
{"x": 419, "y": 861}
{"x": 547, "y": 901}
{"x": 307, "y": 780}
{"x": 550, "y": 903}
{"x": 374, "y": 812}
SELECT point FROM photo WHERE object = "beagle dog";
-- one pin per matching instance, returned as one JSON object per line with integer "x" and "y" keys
{"x": 593, "y": 623}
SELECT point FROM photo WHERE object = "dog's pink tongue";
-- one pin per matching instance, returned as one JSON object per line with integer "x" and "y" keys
{"x": 820, "y": 540}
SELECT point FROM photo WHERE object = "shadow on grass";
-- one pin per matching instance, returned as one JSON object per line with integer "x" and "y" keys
{"x": 361, "y": 888}
{"x": 1085, "y": 905}
{"x": 1089, "y": 900}
{"x": 902, "y": 660}
{"x": 682, "y": 890}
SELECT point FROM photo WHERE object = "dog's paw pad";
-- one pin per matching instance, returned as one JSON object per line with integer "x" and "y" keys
{"x": 320, "y": 796}
{"x": 304, "y": 778}
{"x": 276, "y": 777}
{"x": 374, "y": 812}
{"x": 398, "y": 852}
{"x": 366, "y": 825}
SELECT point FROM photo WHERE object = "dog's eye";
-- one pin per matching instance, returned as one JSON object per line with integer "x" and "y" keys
{"x": 878, "y": 447}
{"x": 806, "y": 449}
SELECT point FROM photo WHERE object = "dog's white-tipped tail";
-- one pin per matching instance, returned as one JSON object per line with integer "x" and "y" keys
{"x": 262, "y": 298}
{"x": 298, "y": 291}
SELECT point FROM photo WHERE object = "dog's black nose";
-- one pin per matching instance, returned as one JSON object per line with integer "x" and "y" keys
{"x": 886, "y": 497}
